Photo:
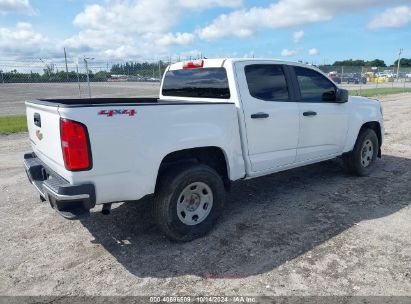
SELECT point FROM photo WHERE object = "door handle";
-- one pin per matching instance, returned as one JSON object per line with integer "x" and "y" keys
{"x": 37, "y": 119}
{"x": 259, "y": 115}
{"x": 310, "y": 113}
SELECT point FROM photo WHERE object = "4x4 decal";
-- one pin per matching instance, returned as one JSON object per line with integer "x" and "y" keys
{"x": 110, "y": 113}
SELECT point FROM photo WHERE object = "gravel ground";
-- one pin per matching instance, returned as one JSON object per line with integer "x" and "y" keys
{"x": 310, "y": 231}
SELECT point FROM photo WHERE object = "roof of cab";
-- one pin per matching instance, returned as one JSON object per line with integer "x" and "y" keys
{"x": 219, "y": 62}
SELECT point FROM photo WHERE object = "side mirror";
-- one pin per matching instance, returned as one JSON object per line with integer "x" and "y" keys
{"x": 342, "y": 96}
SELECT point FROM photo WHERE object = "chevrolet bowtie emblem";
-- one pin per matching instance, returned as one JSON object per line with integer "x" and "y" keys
{"x": 39, "y": 135}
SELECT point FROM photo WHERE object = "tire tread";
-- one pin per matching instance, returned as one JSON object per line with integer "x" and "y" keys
{"x": 168, "y": 182}
{"x": 352, "y": 161}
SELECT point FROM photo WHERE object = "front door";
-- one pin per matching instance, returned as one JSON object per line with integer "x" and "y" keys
{"x": 323, "y": 122}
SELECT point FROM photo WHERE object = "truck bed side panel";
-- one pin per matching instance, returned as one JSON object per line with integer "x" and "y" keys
{"x": 128, "y": 148}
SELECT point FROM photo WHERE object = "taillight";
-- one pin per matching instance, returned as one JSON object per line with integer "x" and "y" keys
{"x": 75, "y": 145}
{"x": 193, "y": 64}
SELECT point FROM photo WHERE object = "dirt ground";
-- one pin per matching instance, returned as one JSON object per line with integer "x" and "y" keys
{"x": 310, "y": 231}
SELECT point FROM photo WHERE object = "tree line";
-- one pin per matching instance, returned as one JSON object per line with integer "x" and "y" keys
{"x": 405, "y": 62}
{"x": 145, "y": 71}
{"x": 360, "y": 63}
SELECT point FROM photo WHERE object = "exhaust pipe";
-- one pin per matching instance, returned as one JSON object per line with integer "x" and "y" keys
{"x": 106, "y": 209}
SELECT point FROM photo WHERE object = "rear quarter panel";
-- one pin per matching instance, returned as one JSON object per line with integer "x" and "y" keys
{"x": 127, "y": 150}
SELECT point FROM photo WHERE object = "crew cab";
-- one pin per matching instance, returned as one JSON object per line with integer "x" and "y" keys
{"x": 216, "y": 121}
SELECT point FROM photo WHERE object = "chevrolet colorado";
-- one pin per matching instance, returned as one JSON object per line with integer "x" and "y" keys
{"x": 215, "y": 121}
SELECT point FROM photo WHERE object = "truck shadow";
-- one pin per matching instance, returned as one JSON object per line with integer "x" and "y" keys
{"x": 266, "y": 222}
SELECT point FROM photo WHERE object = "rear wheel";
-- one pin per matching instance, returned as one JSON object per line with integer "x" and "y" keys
{"x": 188, "y": 202}
{"x": 362, "y": 158}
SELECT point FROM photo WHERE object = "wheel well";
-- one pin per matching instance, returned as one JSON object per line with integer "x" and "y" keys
{"x": 210, "y": 156}
{"x": 374, "y": 125}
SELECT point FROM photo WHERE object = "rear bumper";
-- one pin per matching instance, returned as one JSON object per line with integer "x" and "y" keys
{"x": 70, "y": 201}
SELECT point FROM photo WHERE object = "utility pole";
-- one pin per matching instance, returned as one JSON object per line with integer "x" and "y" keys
{"x": 65, "y": 59}
{"x": 398, "y": 64}
{"x": 47, "y": 67}
{"x": 78, "y": 77}
{"x": 88, "y": 77}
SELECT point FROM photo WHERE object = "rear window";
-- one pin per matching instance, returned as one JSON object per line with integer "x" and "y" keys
{"x": 202, "y": 82}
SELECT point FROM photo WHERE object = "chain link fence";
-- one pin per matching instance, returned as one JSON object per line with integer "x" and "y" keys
{"x": 43, "y": 71}
{"x": 358, "y": 79}
{"x": 88, "y": 77}
{"x": 83, "y": 79}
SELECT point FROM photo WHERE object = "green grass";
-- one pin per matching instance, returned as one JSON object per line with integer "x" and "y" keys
{"x": 13, "y": 124}
{"x": 379, "y": 91}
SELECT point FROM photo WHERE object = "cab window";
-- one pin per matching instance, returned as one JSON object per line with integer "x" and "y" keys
{"x": 267, "y": 82}
{"x": 199, "y": 83}
{"x": 314, "y": 87}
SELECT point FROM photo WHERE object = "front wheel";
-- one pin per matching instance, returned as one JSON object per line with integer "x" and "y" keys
{"x": 188, "y": 201}
{"x": 360, "y": 161}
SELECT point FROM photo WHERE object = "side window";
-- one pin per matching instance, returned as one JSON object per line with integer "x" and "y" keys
{"x": 267, "y": 82}
{"x": 314, "y": 86}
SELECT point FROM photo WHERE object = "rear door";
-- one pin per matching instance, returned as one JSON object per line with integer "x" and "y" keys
{"x": 323, "y": 122}
{"x": 271, "y": 115}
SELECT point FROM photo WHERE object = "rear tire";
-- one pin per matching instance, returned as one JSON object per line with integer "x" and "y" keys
{"x": 360, "y": 161}
{"x": 188, "y": 201}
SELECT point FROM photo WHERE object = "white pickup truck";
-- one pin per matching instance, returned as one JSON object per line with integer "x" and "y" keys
{"x": 215, "y": 121}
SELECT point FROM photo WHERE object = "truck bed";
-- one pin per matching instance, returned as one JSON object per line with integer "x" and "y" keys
{"x": 127, "y": 149}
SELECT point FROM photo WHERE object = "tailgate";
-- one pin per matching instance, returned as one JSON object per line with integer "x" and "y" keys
{"x": 43, "y": 123}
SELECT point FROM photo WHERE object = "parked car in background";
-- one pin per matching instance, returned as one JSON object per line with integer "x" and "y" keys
{"x": 355, "y": 78}
{"x": 405, "y": 76}
{"x": 334, "y": 77}
{"x": 346, "y": 77}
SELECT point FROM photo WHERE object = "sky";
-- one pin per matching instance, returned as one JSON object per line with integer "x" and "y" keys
{"x": 314, "y": 31}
